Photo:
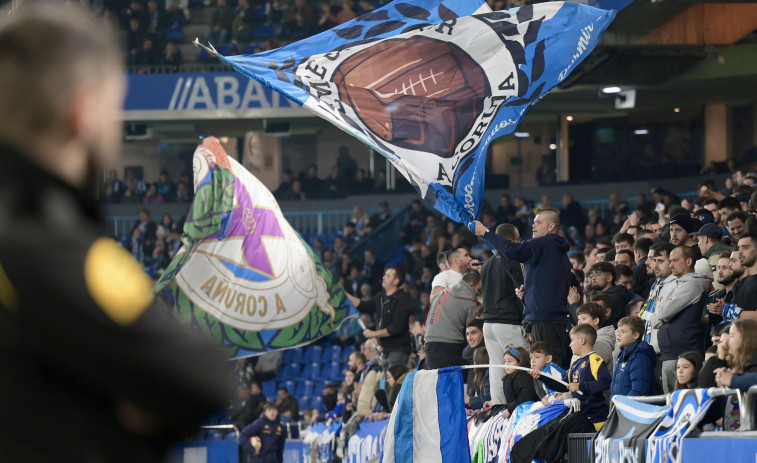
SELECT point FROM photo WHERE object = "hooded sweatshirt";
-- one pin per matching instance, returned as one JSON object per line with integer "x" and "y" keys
{"x": 547, "y": 274}
{"x": 605, "y": 344}
{"x": 677, "y": 313}
{"x": 450, "y": 313}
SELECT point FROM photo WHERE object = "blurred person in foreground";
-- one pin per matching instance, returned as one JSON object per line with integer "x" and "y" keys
{"x": 86, "y": 354}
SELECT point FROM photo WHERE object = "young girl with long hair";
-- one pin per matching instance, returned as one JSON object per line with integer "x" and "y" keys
{"x": 480, "y": 380}
{"x": 518, "y": 385}
{"x": 742, "y": 356}
{"x": 687, "y": 370}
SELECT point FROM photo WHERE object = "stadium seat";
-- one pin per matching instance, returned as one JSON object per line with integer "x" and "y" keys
{"x": 292, "y": 370}
{"x": 317, "y": 371}
{"x": 304, "y": 388}
{"x": 174, "y": 34}
{"x": 303, "y": 403}
{"x": 346, "y": 352}
{"x": 317, "y": 354}
{"x": 269, "y": 388}
{"x": 335, "y": 354}
{"x": 333, "y": 372}
{"x": 317, "y": 403}
{"x": 307, "y": 371}
{"x": 289, "y": 384}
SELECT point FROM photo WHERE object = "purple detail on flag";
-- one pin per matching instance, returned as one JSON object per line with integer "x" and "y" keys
{"x": 252, "y": 223}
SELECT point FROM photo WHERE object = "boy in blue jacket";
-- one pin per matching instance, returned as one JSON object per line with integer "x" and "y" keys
{"x": 264, "y": 439}
{"x": 634, "y": 370}
{"x": 588, "y": 376}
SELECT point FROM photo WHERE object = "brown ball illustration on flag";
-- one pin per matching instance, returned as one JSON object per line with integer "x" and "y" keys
{"x": 419, "y": 93}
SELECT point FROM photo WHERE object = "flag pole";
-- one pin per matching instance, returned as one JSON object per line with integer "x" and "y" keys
{"x": 528, "y": 370}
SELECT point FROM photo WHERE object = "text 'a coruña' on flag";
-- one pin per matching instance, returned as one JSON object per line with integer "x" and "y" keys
{"x": 244, "y": 276}
{"x": 430, "y": 84}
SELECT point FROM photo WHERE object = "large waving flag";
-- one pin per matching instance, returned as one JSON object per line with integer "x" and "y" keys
{"x": 428, "y": 420}
{"x": 244, "y": 276}
{"x": 430, "y": 84}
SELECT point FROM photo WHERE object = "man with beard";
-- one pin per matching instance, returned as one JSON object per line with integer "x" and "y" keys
{"x": 658, "y": 256}
{"x": 642, "y": 272}
{"x": 84, "y": 346}
{"x": 727, "y": 277}
{"x": 603, "y": 281}
{"x": 708, "y": 238}
{"x": 745, "y": 292}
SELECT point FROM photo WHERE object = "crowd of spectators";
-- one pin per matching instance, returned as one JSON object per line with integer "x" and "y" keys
{"x": 663, "y": 296}
{"x": 134, "y": 190}
{"x": 153, "y": 29}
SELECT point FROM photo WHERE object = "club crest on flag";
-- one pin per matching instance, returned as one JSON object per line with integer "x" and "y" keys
{"x": 429, "y": 85}
{"x": 244, "y": 274}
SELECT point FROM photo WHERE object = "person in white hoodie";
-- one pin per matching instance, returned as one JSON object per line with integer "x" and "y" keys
{"x": 678, "y": 312}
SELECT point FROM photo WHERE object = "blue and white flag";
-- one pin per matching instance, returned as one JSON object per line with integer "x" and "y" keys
{"x": 428, "y": 420}
{"x": 688, "y": 408}
{"x": 430, "y": 84}
{"x": 623, "y": 436}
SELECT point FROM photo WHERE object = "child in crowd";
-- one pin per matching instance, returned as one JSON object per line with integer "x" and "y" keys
{"x": 588, "y": 375}
{"x": 480, "y": 382}
{"x": 687, "y": 370}
{"x": 542, "y": 364}
{"x": 596, "y": 315}
{"x": 634, "y": 370}
{"x": 741, "y": 344}
{"x": 518, "y": 386}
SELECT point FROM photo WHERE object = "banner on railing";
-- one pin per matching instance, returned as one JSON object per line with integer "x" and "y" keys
{"x": 624, "y": 435}
{"x": 367, "y": 442}
{"x": 688, "y": 408}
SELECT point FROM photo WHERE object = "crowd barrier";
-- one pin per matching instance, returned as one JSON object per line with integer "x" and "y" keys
{"x": 652, "y": 429}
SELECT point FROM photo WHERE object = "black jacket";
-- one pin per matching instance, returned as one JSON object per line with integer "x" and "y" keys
{"x": 81, "y": 343}
{"x": 499, "y": 278}
{"x": 393, "y": 313}
{"x": 519, "y": 388}
{"x": 619, "y": 296}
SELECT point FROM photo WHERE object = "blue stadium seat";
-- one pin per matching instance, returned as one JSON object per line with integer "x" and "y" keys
{"x": 317, "y": 403}
{"x": 303, "y": 402}
{"x": 304, "y": 388}
{"x": 317, "y": 354}
{"x": 292, "y": 370}
{"x": 333, "y": 372}
{"x": 269, "y": 388}
{"x": 290, "y": 385}
{"x": 260, "y": 12}
{"x": 317, "y": 371}
{"x": 346, "y": 352}
{"x": 174, "y": 33}
{"x": 307, "y": 372}
{"x": 307, "y": 356}
{"x": 335, "y": 354}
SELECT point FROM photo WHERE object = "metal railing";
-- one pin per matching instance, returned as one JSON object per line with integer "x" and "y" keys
{"x": 305, "y": 222}
{"x": 746, "y": 401}
{"x": 385, "y": 239}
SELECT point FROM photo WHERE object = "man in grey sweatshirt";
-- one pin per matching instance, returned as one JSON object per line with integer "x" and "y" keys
{"x": 678, "y": 313}
{"x": 445, "y": 326}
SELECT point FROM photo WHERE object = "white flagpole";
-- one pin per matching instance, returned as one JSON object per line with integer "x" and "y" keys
{"x": 528, "y": 370}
